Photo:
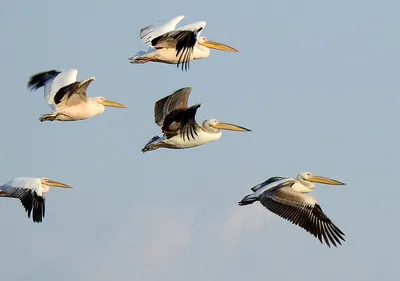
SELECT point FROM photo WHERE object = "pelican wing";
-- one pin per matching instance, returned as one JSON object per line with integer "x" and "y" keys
{"x": 181, "y": 122}
{"x": 70, "y": 95}
{"x": 182, "y": 40}
{"x": 148, "y": 33}
{"x": 28, "y": 191}
{"x": 52, "y": 81}
{"x": 302, "y": 210}
{"x": 268, "y": 181}
{"x": 177, "y": 100}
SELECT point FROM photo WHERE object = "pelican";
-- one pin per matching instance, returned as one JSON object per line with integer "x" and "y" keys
{"x": 31, "y": 193}
{"x": 179, "y": 126}
{"x": 176, "y": 46}
{"x": 67, "y": 97}
{"x": 286, "y": 198}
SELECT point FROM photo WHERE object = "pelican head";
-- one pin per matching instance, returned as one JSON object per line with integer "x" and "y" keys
{"x": 215, "y": 45}
{"x": 110, "y": 103}
{"x": 47, "y": 182}
{"x": 310, "y": 177}
{"x": 219, "y": 125}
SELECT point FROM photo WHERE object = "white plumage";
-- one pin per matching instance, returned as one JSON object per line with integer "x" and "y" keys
{"x": 286, "y": 198}
{"x": 54, "y": 84}
{"x": 179, "y": 46}
{"x": 148, "y": 33}
{"x": 31, "y": 192}
{"x": 68, "y": 98}
{"x": 179, "y": 126}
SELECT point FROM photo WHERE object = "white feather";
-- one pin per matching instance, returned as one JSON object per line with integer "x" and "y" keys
{"x": 17, "y": 184}
{"x": 52, "y": 86}
{"x": 194, "y": 26}
{"x": 148, "y": 33}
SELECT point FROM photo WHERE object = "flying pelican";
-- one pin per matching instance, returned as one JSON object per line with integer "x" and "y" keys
{"x": 31, "y": 193}
{"x": 176, "y": 46}
{"x": 179, "y": 126}
{"x": 67, "y": 97}
{"x": 286, "y": 198}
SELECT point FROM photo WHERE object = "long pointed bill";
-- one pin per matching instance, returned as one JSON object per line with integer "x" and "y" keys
{"x": 218, "y": 46}
{"x": 324, "y": 180}
{"x": 56, "y": 183}
{"x": 113, "y": 104}
{"x": 230, "y": 127}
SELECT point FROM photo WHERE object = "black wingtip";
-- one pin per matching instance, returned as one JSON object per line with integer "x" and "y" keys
{"x": 38, "y": 211}
{"x": 197, "y": 105}
{"x": 40, "y": 79}
{"x": 247, "y": 200}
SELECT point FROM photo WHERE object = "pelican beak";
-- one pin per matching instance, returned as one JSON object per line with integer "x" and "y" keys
{"x": 113, "y": 104}
{"x": 56, "y": 183}
{"x": 324, "y": 180}
{"x": 230, "y": 127}
{"x": 218, "y": 46}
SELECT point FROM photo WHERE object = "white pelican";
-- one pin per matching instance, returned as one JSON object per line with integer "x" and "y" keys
{"x": 67, "y": 97}
{"x": 179, "y": 126}
{"x": 176, "y": 46}
{"x": 31, "y": 193}
{"x": 285, "y": 197}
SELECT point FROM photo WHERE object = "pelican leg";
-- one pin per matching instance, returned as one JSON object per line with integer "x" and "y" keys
{"x": 48, "y": 117}
{"x": 153, "y": 144}
{"x": 140, "y": 60}
{"x": 3, "y": 194}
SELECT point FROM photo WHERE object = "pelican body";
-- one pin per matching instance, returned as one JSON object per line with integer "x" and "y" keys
{"x": 31, "y": 192}
{"x": 68, "y": 98}
{"x": 180, "y": 129}
{"x": 176, "y": 46}
{"x": 287, "y": 198}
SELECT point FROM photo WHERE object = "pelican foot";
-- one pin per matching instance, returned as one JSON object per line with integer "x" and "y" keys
{"x": 48, "y": 117}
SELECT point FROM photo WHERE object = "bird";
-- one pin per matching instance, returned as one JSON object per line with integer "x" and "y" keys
{"x": 67, "y": 97}
{"x": 31, "y": 192}
{"x": 179, "y": 127}
{"x": 171, "y": 45}
{"x": 286, "y": 198}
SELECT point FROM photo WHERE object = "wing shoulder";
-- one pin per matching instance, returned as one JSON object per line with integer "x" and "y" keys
{"x": 65, "y": 92}
{"x": 148, "y": 33}
{"x": 267, "y": 182}
{"x": 196, "y": 26}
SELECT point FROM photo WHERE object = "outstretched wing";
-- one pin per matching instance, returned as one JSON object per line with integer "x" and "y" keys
{"x": 52, "y": 81}
{"x": 73, "y": 94}
{"x": 148, "y": 33}
{"x": 182, "y": 40}
{"x": 302, "y": 210}
{"x": 181, "y": 122}
{"x": 268, "y": 181}
{"x": 177, "y": 100}
{"x": 28, "y": 191}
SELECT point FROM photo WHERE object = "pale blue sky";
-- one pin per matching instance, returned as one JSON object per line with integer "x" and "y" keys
{"x": 316, "y": 81}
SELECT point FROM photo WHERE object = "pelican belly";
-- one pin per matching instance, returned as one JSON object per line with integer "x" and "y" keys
{"x": 202, "y": 137}
{"x": 168, "y": 55}
{"x": 79, "y": 111}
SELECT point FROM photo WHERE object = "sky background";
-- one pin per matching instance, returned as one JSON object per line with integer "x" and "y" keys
{"x": 316, "y": 81}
